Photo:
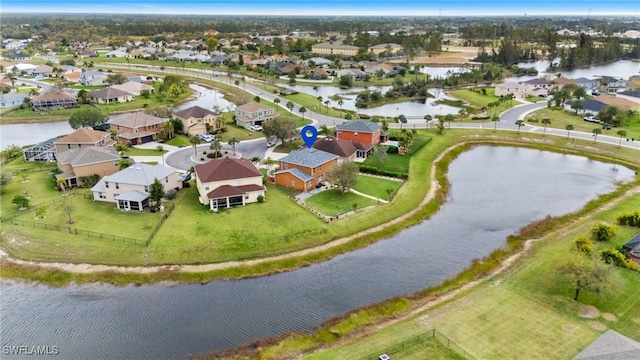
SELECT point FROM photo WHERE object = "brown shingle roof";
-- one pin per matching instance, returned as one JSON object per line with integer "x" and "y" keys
{"x": 82, "y": 136}
{"x": 53, "y": 96}
{"x": 253, "y": 106}
{"x": 620, "y": 102}
{"x": 228, "y": 190}
{"x": 194, "y": 112}
{"x": 136, "y": 120}
{"x": 342, "y": 148}
{"x": 226, "y": 169}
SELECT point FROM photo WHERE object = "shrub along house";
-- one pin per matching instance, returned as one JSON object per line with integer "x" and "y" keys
{"x": 195, "y": 119}
{"x": 129, "y": 188}
{"x": 304, "y": 169}
{"x": 223, "y": 183}
{"x": 137, "y": 128}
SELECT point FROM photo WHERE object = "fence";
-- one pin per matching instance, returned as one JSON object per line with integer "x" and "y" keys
{"x": 74, "y": 231}
{"x": 162, "y": 220}
{"x": 417, "y": 340}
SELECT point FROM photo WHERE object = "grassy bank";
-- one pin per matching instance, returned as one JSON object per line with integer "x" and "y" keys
{"x": 174, "y": 245}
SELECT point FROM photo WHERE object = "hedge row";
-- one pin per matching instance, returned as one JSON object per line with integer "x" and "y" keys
{"x": 375, "y": 171}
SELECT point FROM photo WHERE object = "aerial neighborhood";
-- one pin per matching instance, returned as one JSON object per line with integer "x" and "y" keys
{"x": 204, "y": 149}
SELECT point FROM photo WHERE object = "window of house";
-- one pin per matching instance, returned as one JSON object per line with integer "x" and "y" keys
{"x": 68, "y": 146}
{"x": 166, "y": 180}
{"x": 106, "y": 184}
{"x": 293, "y": 183}
{"x": 355, "y": 133}
{"x": 115, "y": 195}
{"x": 146, "y": 188}
{"x": 286, "y": 165}
{"x": 246, "y": 197}
{"x": 102, "y": 195}
{"x": 117, "y": 185}
{"x": 79, "y": 146}
{"x": 320, "y": 168}
{"x": 206, "y": 188}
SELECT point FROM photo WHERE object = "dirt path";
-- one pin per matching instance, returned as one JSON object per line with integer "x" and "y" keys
{"x": 90, "y": 268}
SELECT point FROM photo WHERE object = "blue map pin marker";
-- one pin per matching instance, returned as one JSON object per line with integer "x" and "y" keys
{"x": 309, "y": 134}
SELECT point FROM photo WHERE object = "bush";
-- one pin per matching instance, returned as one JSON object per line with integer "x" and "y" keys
{"x": 603, "y": 232}
{"x": 583, "y": 246}
{"x": 615, "y": 257}
{"x": 364, "y": 116}
{"x": 170, "y": 194}
{"x": 260, "y": 198}
{"x": 21, "y": 201}
{"x": 392, "y": 149}
{"x": 629, "y": 219}
{"x": 375, "y": 171}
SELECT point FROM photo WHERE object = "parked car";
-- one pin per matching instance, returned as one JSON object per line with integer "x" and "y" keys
{"x": 384, "y": 357}
{"x": 591, "y": 119}
{"x": 255, "y": 127}
{"x": 271, "y": 143}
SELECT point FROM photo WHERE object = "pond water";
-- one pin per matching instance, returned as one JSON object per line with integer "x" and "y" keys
{"x": 494, "y": 192}
{"x": 623, "y": 68}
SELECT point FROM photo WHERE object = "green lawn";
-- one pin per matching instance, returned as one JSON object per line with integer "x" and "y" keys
{"x": 479, "y": 100}
{"x": 395, "y": 162}
{"x": 561, "y": 118}
{"x": 309, "y": 101}
{"x": 179, "y": 140}
{"x": 332, "y": 202}
{"x": 133, "y": 151}
{"x": 526, "y": 311}
{"x": 376, "y": 186}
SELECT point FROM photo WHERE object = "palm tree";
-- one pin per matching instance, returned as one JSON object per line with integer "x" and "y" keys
{"x": 579, "y": 93}
{"x": 428, "y": 119}
{"x": 232, "y": 142}
{"x": 315, "y": 88}
{"x": 62, "y": 184}
{"x": 325, "y": 130}
{"x": 340, "y": 103}
{"x": 167, "y": 126}
{"x": 290, "y": 105}
{"x": 326, "y": 105}
{"x": 545, "y": 122}
{"x": 320, "y": 99}
{"x": 12, "y": 76}
{"x": 34, "y": 92}
{"x": 216, "y": 146}
{"x": 83, "y": 95}
{"x": 269, "y": 162}
{"x": 302, "y": 110}
{"x": 276, "y": 101}
{"x": 569, "y": 128}
{"x": 462, "y": 112}
{"x": 449, "y": 118}
{"x": 237, "y": 83}
{"x": 596, "y": 132}
{"x": 520, "y": 124}
{"x": 621, "y": 133}
{"x": 195, "y": 141}
{"x": 495, "y": 120}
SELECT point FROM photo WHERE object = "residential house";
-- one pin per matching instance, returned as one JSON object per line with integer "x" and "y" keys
{"x": 16, "y": 56}
{"x": 195, "y": 120}
{"x": 77, "y": 163}
{"x": 587, "y": 84}
{"x": 73, "y": 77}
{"x": 611, "y": 346}
{"x": 83, "y": 138}
{"x": 563, "y": 81}
{"x": 304, "y": 169}
{"x": 223, "y": 183}
{"x": 389, "y": 49}
{"x": 137, "y": 128}
{"x": 253, "y": 113}
{"x": 15, "y": 45}
{"x": 129, "y": 188}
{"x": 612, "y": 85}
{"x": 92, "y": 77}
{"x": 618, "y": 101}
{"x": 589, "y": 105}
{"x": 134, "y": 88}
{"x": 355, "y": 74}
{"x": 41, "y": 71}
{"x": 537, "y": 87}
{"x": 110, "y": 95}
{"x": 366, "y": 133}
{"x": 331, "y": 48}
{"x": 116, "y": 54}
{"x": 54, "y": 101}
{"x": 631, "y": 95}
{"x": 346, "y": 150}
{"x": 11, "y": 99}
{"x": 517, "y": 89}
{"x": 632, "y": 248}
{"x": 87, "y": 54}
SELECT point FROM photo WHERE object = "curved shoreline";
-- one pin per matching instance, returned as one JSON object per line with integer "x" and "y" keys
{"x": 299, "y": 255}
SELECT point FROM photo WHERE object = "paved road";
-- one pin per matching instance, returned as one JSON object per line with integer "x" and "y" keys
{"x": 44, "y": 87}
{"x": 183, "y": 159}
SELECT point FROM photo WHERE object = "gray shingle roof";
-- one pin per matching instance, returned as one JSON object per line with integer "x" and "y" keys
{"x": 359, "y": 125}
{"x": 634, "y": 93}
{"x": 611, "y": 346}
{"x": 194, "y": 112}
{"x": 88, "y": 155}
{"x": 108, "y": 93}
{"x": 297, "y": 173}
{"x": 133, "y": 195}
{"x": 591, "y": 105}
{"x": 583, "y": 80}
{"x": 308, "y": 157}
{"x": 140, "y": 174}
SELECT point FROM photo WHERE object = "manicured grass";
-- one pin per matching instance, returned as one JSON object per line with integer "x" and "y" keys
{"x": 179, "y": 140}
{"x": 527, "y": 309}
{"x": 561, "y": 118}
{"x": 333, "y": 202}
{"x": 133, "y": 151}
{"x": 480, "y": 100}
{"x": 289, "y": 146}
{"x": 395, "y": 162}
{"x": 309, "y": 101}
{"x": 376, "y": 186}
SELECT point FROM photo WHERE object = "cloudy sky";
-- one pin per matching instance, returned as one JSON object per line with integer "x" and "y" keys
{"x": 332, "y": 7}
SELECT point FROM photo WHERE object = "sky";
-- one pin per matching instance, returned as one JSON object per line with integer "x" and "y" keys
{"x": 331, "y": 7}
